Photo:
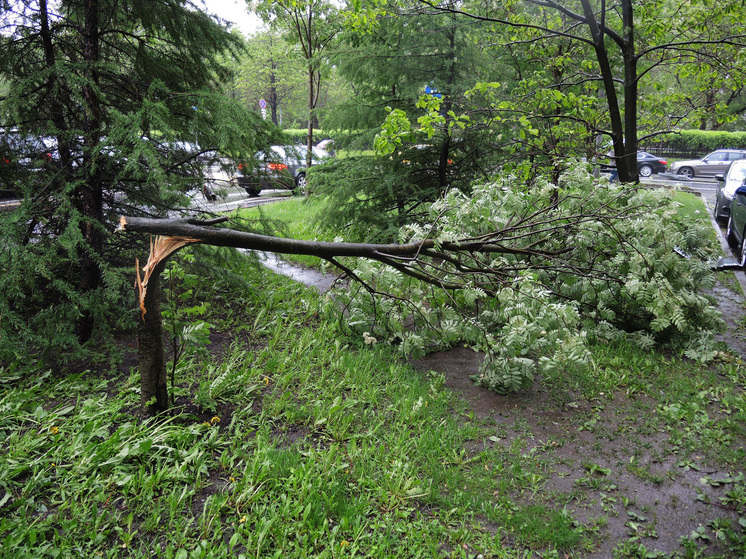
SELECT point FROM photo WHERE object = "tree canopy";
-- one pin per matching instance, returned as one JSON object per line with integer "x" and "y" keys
{"x": 272, "y": 69}
{"x": 313, "y": 26}
{"x": 607, "y": 74}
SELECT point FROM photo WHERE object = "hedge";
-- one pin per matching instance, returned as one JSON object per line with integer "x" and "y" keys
{"x": 700, "y": 141}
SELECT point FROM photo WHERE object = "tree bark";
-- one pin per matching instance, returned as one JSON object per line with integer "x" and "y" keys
{"x": 151, "y": 356}
{"x": 89, "y": 196}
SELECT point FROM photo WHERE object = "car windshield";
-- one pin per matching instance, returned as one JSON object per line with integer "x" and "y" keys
{"x": 737, "y": 172}
{"x": 298, "y": 153}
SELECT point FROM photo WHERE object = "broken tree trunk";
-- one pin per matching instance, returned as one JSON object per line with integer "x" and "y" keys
{"x": 175, "y": 233}
{"x": 151, "y": 354}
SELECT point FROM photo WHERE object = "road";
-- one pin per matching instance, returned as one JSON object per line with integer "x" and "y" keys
{"x": 229, "y": 196}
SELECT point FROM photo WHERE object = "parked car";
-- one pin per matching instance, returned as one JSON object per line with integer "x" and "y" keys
{"x": 727, "y": 185}
{"x": 649, "y": 164}
{"x": 18, "y": 151}
{"x": 710, "y": 165}
{"x": 280, "y": 167}
{"x": 19, "y": 155}
{"x": 737, "y": 223}
{"x": 327, "y": 146}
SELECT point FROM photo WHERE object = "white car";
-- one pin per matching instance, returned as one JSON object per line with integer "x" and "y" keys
{"x": 727, "y": 185}
{"x": 710, "y": 165}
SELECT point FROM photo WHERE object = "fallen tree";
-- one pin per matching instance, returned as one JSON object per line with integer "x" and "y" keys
{"x": 527, "y": 277}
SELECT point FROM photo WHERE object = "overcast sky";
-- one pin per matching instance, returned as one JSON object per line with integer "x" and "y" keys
{"x": 235, "y": 11}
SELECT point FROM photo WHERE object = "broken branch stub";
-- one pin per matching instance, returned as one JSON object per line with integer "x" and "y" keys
{"x": 160, "y": 250}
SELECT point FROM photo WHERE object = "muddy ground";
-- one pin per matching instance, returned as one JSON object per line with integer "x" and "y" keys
{"x": 655, "y": 503}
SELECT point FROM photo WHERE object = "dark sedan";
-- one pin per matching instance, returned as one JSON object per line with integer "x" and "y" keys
{"x": 737, "y": 223}
{"x": 648, "y": 164}
{"x": 279, "y": 167}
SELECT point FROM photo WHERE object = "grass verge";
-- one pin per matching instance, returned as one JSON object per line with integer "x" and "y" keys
{"x": 290, "y": 440}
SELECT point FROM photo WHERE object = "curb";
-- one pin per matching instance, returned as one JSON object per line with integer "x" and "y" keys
{"x": 739, "y": 273}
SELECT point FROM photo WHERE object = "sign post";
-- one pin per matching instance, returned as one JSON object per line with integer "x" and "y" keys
{"x": 263, "y": 106}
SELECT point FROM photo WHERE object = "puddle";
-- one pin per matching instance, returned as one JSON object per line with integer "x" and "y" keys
{"x": 306, "y": 276}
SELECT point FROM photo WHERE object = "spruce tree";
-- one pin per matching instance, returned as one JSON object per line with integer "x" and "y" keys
{"x": 125, "y": 98}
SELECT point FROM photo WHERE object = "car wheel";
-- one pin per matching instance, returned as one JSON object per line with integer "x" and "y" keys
{"x": 716, "y": 211}
{"x": 730, "y": 234}
{"x": 742, "y": 259}
{"x": 300, "y": 182}
{"x": 687, "y": 172}
{"x": 253, "y": 192}
{"x": 646, "y": 171}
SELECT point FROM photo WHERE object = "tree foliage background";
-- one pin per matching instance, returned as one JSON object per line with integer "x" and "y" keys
{"x": 127, "y": 100}
{"x": 530, "y": 86}
{"x": 272, "y": 69}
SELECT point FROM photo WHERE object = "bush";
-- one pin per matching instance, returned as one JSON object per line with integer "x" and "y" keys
{"x": 300, "y": 135}
{"x": 702, "y": 141}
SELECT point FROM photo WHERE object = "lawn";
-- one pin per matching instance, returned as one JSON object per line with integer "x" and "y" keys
{"x": 291, "y": 439}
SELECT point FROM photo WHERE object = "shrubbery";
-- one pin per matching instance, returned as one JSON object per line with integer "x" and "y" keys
{"x": 703, "y": 141}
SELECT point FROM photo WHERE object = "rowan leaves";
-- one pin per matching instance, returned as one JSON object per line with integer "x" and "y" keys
{"x": 534, "y": 276}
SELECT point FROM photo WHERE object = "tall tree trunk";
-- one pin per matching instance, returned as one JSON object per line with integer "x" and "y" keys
{"x": 54, "y": 89}
{"x": 89, "y": 196}
{"x": 311, "y": 104}
{"x": 445, "y": 148}
{"x": 630, "y": 92}
{"x": 272, "y": 97}
{"x": 309, "y": 53}
{"x": 622, "y": 147}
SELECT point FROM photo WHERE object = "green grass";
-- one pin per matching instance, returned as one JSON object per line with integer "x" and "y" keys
{"x": 692, "y": 207}
{"x": 303, "y": 447}
{"x": 301, "y": 442}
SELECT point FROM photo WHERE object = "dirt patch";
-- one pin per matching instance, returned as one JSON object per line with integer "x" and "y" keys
{"x": 618, "y": 479}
